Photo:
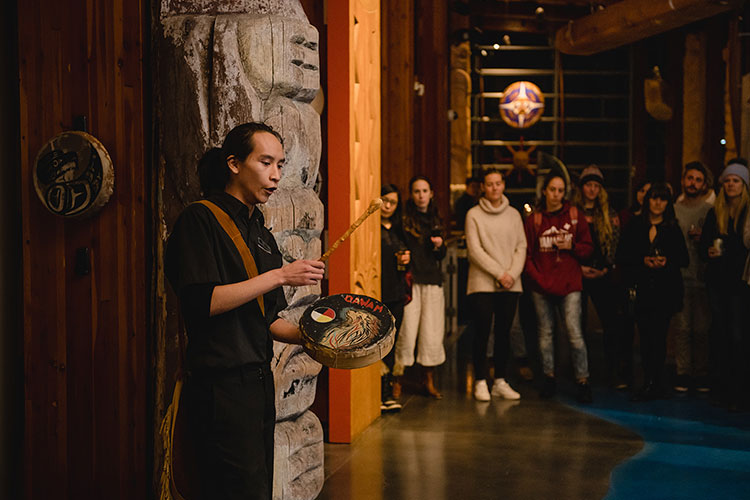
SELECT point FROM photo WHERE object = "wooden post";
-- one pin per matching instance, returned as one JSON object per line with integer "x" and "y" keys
{"x": 353, "y": 181}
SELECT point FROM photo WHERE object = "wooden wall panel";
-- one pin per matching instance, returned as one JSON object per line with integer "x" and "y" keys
{"x": 431, "y": 126}
{"x": 365, "y": 141}
{"x": 716, "y": 34}
{"x": 85, "y": 336}
{"x": 11, "y": 338}
{"x": 416, "y": 133}
{"x": 460, "y": 126}
{"x": 397, "y": 103}
{"x": 694, "y": 109}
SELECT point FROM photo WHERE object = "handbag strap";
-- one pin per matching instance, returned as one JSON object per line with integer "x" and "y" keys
{"x": 234, "y": 234}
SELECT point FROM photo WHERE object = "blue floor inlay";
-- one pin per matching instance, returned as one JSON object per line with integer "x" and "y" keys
{"x": 692, "y": 450}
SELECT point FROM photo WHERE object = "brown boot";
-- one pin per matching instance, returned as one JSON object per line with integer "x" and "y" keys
{"x": 429, "y": 382}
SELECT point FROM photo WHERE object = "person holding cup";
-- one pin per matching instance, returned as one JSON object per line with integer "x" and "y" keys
{"x": 558, "y": 240}
{"x": 423, "y": 327}
{"x": 693, "y": 323}
{"x": 394, "y": 262}
{"x": 721, "y": 245}
{"x": 651, "y": 253}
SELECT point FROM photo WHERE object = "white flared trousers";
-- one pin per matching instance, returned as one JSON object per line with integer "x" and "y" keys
{"x": 423, "y": 327}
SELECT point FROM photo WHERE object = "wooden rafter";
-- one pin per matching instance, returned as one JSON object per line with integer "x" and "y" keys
{"x": 632, "y": 20}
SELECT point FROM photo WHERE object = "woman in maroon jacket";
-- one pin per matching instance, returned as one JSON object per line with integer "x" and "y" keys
{"x": 558, "y": 241}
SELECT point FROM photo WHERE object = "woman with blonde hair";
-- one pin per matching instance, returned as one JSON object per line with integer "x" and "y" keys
{"x": 598, "y": 283}
{"x": 722, "y": 246}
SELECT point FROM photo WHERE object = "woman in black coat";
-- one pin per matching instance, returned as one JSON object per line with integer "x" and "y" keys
{"x": 651, "y": 252}
{"x": 722, "y": 246}
{"x": 394, "y": 258}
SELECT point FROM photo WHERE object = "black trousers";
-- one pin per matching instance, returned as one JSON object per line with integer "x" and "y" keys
{"x": 231, "y": 416}
{"x": 729, "y": 339}
{"x": 501, "y": 305}
{"x": 605, "y": 296}
{"x": 653, "y": 325}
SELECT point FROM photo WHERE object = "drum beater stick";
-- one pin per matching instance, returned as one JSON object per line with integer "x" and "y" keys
{"x": 374, "y": 207}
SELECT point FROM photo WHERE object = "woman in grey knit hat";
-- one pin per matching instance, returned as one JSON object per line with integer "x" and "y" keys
{"x": 722, "y": 246}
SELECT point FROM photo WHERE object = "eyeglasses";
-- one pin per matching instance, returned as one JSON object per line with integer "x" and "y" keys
{"x": 388, "y": 202}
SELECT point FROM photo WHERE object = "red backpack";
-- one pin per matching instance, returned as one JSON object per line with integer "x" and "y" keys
{"x": 538, "y": 218}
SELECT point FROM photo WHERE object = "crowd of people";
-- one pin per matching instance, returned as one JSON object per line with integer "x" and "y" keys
{"x": 673, "y": 269}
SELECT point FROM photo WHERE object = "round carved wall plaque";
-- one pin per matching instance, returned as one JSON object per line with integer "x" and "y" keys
{"x": 73, "y": 175}
{"x": 522, "y": 104}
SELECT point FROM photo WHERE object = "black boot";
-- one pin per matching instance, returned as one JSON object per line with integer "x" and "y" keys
{"x": 584, "y": 395}
{"x": 549, "y": 387}
{"x": 646, "y": 393}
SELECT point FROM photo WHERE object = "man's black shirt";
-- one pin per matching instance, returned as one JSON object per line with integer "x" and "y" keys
{"x": 200, "y": 256}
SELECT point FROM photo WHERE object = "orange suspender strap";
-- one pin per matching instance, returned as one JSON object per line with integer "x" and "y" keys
{"x": 231, "y": 229}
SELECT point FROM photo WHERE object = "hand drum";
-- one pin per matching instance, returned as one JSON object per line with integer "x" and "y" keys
{"x": 347, "y": 330}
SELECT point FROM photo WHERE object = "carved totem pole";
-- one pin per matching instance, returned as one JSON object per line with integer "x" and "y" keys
{"x": 220, "y": 64}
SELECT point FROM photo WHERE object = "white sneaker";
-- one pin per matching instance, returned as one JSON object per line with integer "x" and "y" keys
{"x": 481, "y": 393}
{"x": 501, "y": 389}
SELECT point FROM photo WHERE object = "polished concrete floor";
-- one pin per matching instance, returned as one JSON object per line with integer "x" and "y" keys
{"x": 457, "y": 448}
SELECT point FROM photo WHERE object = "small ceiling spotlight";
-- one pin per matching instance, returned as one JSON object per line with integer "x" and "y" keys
{"x": 484, "y": 53}
{"x": 506, "y": 39}
{"x": 496, "y": 46}
{"x": 539, "y": 13}
{"x": 723, "y": 142}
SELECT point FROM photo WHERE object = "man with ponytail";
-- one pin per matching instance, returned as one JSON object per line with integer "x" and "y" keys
{"x": 226, "y": 270}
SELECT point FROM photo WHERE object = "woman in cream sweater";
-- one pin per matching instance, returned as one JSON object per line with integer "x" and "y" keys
{"x": 496, "y": 242}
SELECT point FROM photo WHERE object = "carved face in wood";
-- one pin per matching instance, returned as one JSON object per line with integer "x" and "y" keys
{"x": 289, "y": 66}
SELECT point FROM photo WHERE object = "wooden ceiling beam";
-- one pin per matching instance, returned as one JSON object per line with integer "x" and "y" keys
{"x": 628, "y": 21}
{"x": 523, "y": 24}
{"x": 544, "y": 3}
{"x": 520, "y": 16}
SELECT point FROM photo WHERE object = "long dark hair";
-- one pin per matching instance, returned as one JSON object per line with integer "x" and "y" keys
{"x": 411, "y": 208}
{"x": 388, "y": 189}
{"x": 541, "y": 203}
{"x": 213, "y": 171}
{"x": 638, "y": 186}
{"x": 412, "y": 214}
{"x": 663, "y": 191}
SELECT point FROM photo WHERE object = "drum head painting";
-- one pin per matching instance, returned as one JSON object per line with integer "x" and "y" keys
{"x": 522, "y": 104}
{"x": 347, "y": 330}
{"x": 73, "y": 175}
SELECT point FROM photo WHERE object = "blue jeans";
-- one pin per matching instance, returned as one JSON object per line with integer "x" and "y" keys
{"x": 569, "y": 308}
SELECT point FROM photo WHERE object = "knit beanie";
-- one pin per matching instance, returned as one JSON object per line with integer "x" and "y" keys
{"x": 736, "y": 169}
{"x": 592, "y": 173}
